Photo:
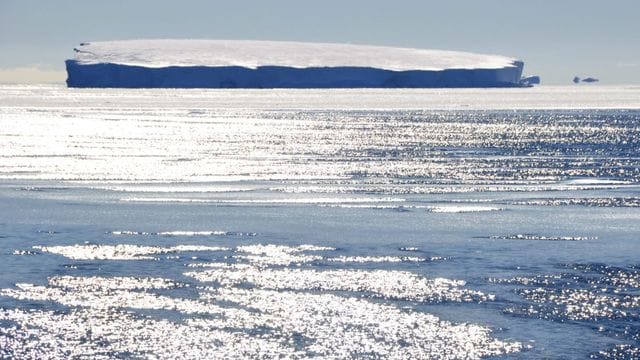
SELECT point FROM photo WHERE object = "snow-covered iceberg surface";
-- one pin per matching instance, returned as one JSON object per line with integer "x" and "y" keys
{"x": 270, "y": 64}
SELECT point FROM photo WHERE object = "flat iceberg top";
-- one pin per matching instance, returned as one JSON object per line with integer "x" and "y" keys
{"x": 254, "y": 54}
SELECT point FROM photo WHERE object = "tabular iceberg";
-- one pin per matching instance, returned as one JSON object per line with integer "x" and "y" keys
{"x": 275, "y": 64}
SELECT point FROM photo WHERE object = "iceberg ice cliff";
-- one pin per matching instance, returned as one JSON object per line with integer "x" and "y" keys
{"x": 273, "y": 64}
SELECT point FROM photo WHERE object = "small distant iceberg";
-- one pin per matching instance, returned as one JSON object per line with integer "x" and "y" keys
{"x": 530, "y": 80}
{"x": 577, "y": 80}
{"x": 275, "y": 64}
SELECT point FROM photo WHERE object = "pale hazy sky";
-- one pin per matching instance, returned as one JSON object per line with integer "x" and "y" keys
{"x": 557, "y": 39}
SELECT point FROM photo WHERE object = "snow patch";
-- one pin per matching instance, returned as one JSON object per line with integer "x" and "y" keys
{"x": 254, "y": 54}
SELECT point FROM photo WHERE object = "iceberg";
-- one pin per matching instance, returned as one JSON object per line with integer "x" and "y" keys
{"x": 577, "y": 80}
{"x": 530, "y": 80}
{"x": 279, "y": 64}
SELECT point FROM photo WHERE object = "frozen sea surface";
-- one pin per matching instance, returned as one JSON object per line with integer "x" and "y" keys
{"x": 445, "y": 224}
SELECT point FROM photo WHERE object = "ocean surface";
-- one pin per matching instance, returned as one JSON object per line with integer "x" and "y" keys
{"x": 403, "y": 224}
